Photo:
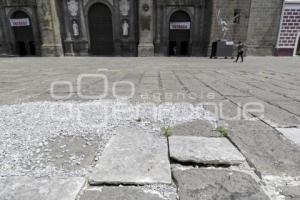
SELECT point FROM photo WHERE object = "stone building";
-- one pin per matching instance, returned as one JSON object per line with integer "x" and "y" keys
{"x": 136, "y": 27}
{"x": 288, "y": 43}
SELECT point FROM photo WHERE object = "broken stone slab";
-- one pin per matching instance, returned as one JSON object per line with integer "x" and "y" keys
{"x": 118, "y": 193}
{"x": 133, "y": 156}
{"x": 29, "y": 188}
{"x": 204, "y": 150}
{"x": 217, "y": 184}
{"x": 292, "y": 134}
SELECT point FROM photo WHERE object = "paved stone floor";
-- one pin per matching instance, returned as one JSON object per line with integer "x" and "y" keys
{"x": 251, "y": 104}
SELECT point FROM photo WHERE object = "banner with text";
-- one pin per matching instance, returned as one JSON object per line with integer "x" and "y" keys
{"x": 19, "y": 22}
{"x": 180, "y": 25}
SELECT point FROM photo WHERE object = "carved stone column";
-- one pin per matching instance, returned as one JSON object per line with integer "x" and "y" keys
{"x": 146, "y": 47}
{"x": 51, "y": 44}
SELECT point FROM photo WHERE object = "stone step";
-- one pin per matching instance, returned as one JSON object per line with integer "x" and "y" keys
{"x": 133, "y": 156}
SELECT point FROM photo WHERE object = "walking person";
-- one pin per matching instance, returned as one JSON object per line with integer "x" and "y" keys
{"x": 241, "y": 49}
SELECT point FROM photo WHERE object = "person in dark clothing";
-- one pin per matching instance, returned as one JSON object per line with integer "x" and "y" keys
{"x": 240, "y": 48}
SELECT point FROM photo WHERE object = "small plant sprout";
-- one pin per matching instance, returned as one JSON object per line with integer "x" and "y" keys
{"x": 223, "y": 131}
{"x": 167, "y": 131}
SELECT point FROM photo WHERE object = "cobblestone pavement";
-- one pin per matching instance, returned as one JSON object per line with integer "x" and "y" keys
{"x": 263, "y": 89}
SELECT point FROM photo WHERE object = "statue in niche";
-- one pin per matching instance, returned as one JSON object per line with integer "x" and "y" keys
{"x": 124, "y": 7}
{"x": 73, "y": 7}
{"x": 125, "y": 28}
{"x": 75, "y": 28}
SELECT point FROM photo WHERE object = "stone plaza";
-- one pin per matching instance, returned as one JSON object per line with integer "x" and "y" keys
{"x": 186, "y": 128}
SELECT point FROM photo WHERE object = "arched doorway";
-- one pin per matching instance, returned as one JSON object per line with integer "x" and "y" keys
{"x": 179, "y": 34}
{"x": 101, "y": 30}
{"x": 23, "y": 32}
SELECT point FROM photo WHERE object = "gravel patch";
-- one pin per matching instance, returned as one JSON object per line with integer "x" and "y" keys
{"x": 32, "y": 133}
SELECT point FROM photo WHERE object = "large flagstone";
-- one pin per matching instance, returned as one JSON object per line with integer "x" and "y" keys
{"x": 119, "y": 193}
{"x": 133, "y": 156}
{"x": 204, "y": 150}
{"x": 292, "y": 134}
{"x": 217, "y": 184}
{"x": 27, "y": 188}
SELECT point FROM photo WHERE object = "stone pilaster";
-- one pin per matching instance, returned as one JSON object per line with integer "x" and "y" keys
{"x": 146, "y": 47}
{"x": 69, "y": 48}
{"x": 5, "y": 48}
{"x": 51, "y": 44}
{"x": 1, "y": 34}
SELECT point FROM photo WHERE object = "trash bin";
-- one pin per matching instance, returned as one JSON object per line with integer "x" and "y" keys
{"x": 222, "y": 49}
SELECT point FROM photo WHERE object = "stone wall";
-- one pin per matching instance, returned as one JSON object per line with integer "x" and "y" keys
{"x": 263, "y": 26}
{"x": 237, "y": 31}
{"x": 289, "y": 30}
{"x": 258, "y": 25}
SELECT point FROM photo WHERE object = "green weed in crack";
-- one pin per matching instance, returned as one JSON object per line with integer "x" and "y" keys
{"x": 167, "y": 131}
{"x": 222, "y": 131}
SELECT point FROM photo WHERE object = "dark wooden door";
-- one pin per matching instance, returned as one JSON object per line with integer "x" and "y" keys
{"x": 101, "y": 30}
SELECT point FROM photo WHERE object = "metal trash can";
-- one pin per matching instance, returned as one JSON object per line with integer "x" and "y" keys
{"x": 222, "y": 49}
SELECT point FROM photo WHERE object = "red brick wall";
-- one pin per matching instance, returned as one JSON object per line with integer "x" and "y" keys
{"x": 290, "y": 27}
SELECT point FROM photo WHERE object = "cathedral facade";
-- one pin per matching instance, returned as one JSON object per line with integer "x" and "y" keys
{"x": 136, "y": 27}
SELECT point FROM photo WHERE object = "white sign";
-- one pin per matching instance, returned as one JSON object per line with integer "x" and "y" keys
{"x": 180, "y": 25}
{"x": 19, "y": 22}
{"x": 229, "y": 43}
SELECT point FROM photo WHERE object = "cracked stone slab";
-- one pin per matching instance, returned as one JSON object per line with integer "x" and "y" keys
{"x": 133, "y": 156}
{"x": 204, "y": 150}
{"x": 217, "y": 184}
{"x": 27, "y": 188}
{"x": 119, "y": 193}
{"x": 292, "y": 134}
